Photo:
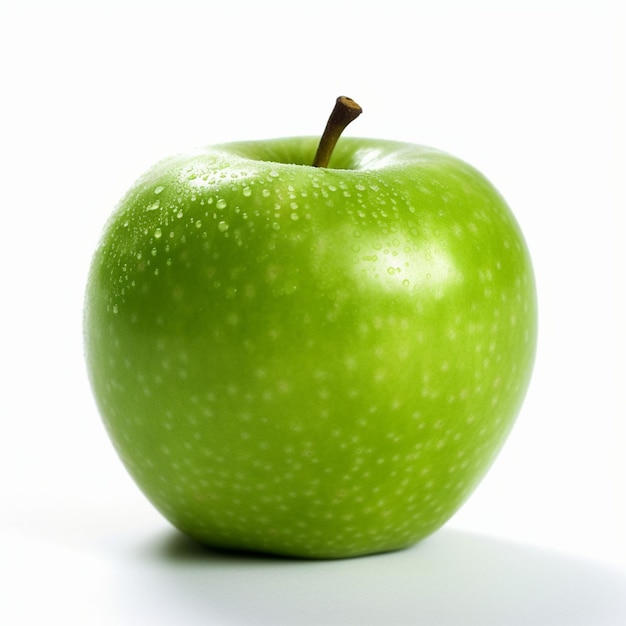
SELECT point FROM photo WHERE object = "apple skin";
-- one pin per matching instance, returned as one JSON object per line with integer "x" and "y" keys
{"x": 314, "y": 362}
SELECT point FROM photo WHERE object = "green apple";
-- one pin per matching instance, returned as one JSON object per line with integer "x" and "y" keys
{"x": 310, "y": 361}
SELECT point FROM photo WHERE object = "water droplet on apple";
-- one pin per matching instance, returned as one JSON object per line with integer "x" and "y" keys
{"x": 247, "y": 192}
{"x": 157, "y": 233}
{"x": 295, "y": 217}
{"x": 266, "y": 193}
{"x": 221, "y": 204}
{"x": 159, "y": 189}
{"x": 222, "y": 227}
{"x": 180, "y": 213}
{"x": 154, "y": 206}
{"x": 198, "y": 224}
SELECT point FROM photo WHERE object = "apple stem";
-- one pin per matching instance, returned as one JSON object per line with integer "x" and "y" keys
{"x": 346, "y": 110}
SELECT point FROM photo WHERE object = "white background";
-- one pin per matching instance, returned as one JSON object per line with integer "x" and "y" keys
{"x": 531, "y": 93}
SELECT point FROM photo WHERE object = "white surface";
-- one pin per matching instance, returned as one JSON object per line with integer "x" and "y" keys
{"x": 451, "y": 579}
{"x": 532, "y": 95}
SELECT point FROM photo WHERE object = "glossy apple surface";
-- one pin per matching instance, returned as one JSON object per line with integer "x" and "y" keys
{"x": 320, "y": 362}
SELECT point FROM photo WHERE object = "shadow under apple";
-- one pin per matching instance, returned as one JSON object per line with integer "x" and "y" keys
{"x": 453, "y": 578}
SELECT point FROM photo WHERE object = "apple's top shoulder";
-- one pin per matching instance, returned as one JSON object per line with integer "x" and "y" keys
{"x": 351, "y": 153}
{"x": 289, "y": 154}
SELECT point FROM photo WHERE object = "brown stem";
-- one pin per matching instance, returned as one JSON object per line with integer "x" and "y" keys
{"x": 346, "y": 110}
